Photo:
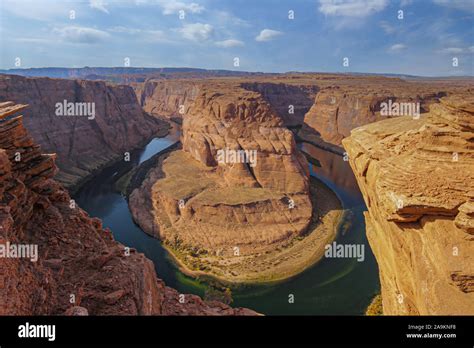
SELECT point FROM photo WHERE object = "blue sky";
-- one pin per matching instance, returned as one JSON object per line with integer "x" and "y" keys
{"x": 259, "y": 32}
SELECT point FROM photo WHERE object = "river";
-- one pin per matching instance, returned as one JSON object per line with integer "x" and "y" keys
{"x": 331, "y": 287}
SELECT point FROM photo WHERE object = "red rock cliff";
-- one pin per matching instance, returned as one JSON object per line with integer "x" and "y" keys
{"x": 80, "y": 269}
{"x": 82, "y": 145}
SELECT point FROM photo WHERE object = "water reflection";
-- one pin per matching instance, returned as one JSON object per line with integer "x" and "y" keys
{"x": 334, "y": 172}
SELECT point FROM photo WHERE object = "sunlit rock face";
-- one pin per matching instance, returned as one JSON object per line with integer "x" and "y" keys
{"x": 344, "y": 104}
{"x": 238, "y": 182}
{"x": 417, "y": 178}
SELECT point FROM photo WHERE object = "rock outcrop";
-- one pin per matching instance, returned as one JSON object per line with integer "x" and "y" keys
{"x": 417, "y": 178}
{"x": 208, "y": 204}
{"x": 78, "y": 268}
{"x": 173, "y": 98}
{"x": 326, "y": 106}
{"x": 83, "y": 144}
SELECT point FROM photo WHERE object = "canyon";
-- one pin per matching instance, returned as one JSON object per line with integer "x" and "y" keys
{"x": 414, "y": 279}
{"x": 82, "y": 145}
{"x": 323, "y": 108}
{"x": 81, "y": 270}
{"x": 236, "y": 221}
{"x": 239, "y": 221}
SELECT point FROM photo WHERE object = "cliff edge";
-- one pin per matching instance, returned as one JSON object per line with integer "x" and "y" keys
{"x": 417, "y": 179}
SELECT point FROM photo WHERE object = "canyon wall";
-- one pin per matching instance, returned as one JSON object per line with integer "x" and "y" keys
{"x": 79, "y": 268}
{"x": 82, "y": 145}
{"x": 417, "y": 179}
{"x": 168, "y": 98}
{"x": 290, "y": 102}
{"x": 342, "y": 105}
{"x": 339, "y": 109}
{"x": 173, "y": 98}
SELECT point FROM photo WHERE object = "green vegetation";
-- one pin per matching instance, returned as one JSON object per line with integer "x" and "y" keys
{"x": 121, "y": 184}
{"x": 217, "y": 292}
{"x": 375, "y": 307}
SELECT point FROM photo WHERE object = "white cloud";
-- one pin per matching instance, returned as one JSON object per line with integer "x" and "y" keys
{"x": 144, "y": 34}
{"x": 229, "y": 43}
{"x": 389, "y": 29}
{"x": 30, "y": 40}
{"x": 227, "y": 18}
{"x": 173, "y": 7}
{"x": 463, "y": 5}
{"x": 452, "y": 50}
{"x": 81, "y": 34}
{"x": 456, "y": 50}
{"x": 351, "y": 8}
{"x": 125, "y": 30}
{"x": 99, "y": 5}
{"x": 397, "y": 47}
{"x": 155, "y": 36}
{"x": 404, "y": 3}
{"x": 267, "y": 35}
{"x": 196, "y": 31}
{"x": 44, "y": 10}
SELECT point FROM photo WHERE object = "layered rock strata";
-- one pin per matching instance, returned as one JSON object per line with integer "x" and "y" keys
{"x": 338, "y": 110}
{"x": 173, "y": 98}
{"x": 168, "y": 98}
{"x": 417, "y": 178}
{"x": 326, "y": 106}
{"x": 290, "y": 102}
{"x": 82, "y": 143}
{"x": 77, "y": 268}
{"x": 209, "y": 209}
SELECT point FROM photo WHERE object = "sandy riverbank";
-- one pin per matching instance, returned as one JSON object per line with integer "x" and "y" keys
{"x": 284, "y": 261}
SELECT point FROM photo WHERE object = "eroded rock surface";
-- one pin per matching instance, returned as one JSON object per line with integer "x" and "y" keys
{"x": 168, "y": 98}
{"x": 202, "y": 205}
{"x": 82, "y": 145}
{"x": 417, "y": 178}
{"x": 343, "y": 105}
{"x": 80, "y": 269}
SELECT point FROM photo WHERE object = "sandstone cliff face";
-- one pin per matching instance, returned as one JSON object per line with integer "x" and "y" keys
{"x": 417, "y": 178}
{"x": 290, "y": 102}
{"x": 213, "y": 207}
{"x": 80, "y": 269}
{"x": 169, "y": 98}
{"x": 82, "y": 145}
{"x": 339, "y": 109}
{"x": 173, "y": 98}
{"x": 232, "y": 118}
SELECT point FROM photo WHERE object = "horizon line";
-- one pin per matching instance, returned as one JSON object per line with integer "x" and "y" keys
{"x": 242, "y": 71}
